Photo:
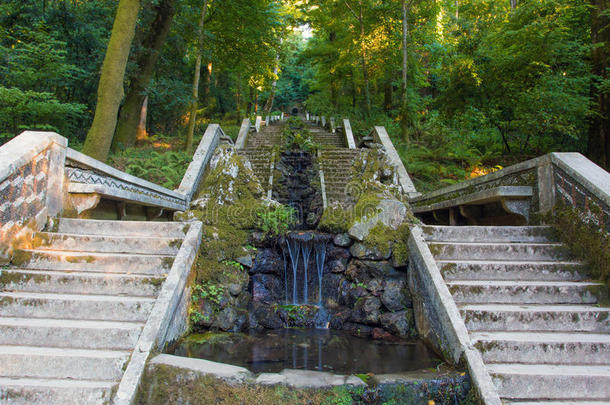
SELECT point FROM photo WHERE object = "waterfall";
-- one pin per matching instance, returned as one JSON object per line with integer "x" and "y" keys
{"x": 306, "y": 252}
{"x": 293, "y": 250}
{"x": 320, "y": 257}
{"x": 285, "y": 275}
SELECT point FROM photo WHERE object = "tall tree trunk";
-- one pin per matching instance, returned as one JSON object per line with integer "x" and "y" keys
{"x": 457, "y": 9}
{"x": 513, "y": 4}
{"x": 405, "y": 54}
{"x": 365, "y": 72}
{"x": 276, "y": 69}
{"x": 129, "y": 116}
{"x": 141, "y": 132}
{"x": 110, "y": 87}
{"x": 599, "y": 130}
{"x": 250, "y": 101}
{"x": 193, "y": 115}
{"x": 256, "y": 103}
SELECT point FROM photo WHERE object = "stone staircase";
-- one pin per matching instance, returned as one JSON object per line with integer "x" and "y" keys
{"x": 72, "y": 311}
{"x": 327, "y": 139}
{"x": 529, "y": 310}
{"x": 337, "y": 167}
{"x": 267, "y": 138}
{"x": 261, "y": 160}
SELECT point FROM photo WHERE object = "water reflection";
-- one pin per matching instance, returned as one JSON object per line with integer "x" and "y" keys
{"x": 310, "y": 349}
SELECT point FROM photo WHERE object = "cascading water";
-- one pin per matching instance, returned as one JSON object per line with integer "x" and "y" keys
{"x": 305, "y": 252}
{"x": 294, "y": 251}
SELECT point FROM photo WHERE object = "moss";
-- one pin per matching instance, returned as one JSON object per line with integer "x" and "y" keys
{"x": 335, "y": 220}
{"x": 383, "y": 238}
{"x": 586, "y": 239}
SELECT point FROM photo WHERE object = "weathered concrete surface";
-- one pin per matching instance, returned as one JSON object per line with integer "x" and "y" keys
{"x": 390, "y": 213}
{"x": 242, "y": 137}
{"x": 349, "y": 135}
{"x": 381, "y": 135}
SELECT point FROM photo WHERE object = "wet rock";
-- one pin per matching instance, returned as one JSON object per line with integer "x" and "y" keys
{"x": 243, "y": 299}
{"x": 380, "y": 269}
{"x": 330, "y": 287}
{"x": 245, "y": 260}
{"x": 390, "y": 213}
{"x": 395, "y": 295}
{"x": 381, "y": 334}
{"x": 338, "y": 266}
{"x": 375, "y": 286}
{"x": 234, "y": 289}
{"x": 225, "y": 319}
{"x": 357, "y": 273}
{"x": 261, "y": 240}
{"x": 399, "y": 323}
{"x": 362, "y": 251}
{"x": 342, "y": 240}
{"x": 266, "y": 288}
{"x": 334, "y": 252}
{"x": 205, "y": 318}
{"x": 267, "y": 317}
{"x": 366, "y": 310}
{"x": 338, "y": 319}
{"x": 354, "y": 293}
{"x": 268, "y": 261}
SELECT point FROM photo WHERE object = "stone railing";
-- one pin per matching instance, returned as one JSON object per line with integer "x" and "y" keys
{"x": 381, "y": 136}
{"x": 211, "y": 138}
{"x": 242, "y": 137}
{"x": 89, "y": 180}
{"x": 31, "y": 183}
{"x": 557, "y": 177}
{"x": 349, "y": 135}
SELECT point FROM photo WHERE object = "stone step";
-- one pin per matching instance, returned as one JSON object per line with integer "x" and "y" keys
{"x": 106, "y": 244}
{"x": 75, "y": 306}
{"x": 28, "y": 391}
{"x": 490, "y": 234}
{"x": 49, "y": 362}
{"x": 525, "y": 292}
{"x": 540, "y": 381}
{"x": 543, "y": 347}
{"x": 55, "y": 281}
{"x": 76, "y": 334}
{"x": 565, "y": 318}
{"x": 511, "y": 270}
{"x": 122, "y": 228}
{"x": 499, "y": 251}
{"x": 98, "y": 262}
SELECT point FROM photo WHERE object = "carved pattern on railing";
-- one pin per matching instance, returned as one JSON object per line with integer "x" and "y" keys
{"x": 78, "y": 173}
{"x": 571, "y": 193}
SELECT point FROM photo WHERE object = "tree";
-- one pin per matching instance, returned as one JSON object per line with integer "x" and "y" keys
{"x": 130, "y": 115}
{"x": 110, "y": 88}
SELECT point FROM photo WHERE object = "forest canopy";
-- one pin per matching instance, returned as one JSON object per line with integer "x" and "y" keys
{"x": 461, "y": 85}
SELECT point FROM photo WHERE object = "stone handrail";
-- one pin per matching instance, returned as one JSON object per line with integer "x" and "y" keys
{"x": 381, "y": 136}
{"x": 201, "y": 158}
{"x": 349, "y": 135}
{"x": 244, "y": 130}
{"x": 570, "y": 178}
{"x": 90, "y": 177}
{"x": 31, "y": 183}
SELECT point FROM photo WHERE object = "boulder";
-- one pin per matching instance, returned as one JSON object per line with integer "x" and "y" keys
{"x": 245, "y": 260}
{"x": 391, "y": 213}
{"x": 342, "y": 240}
{"x": 366, "y": 310}
{"x": 396, "y": 296}
{"x": 338, "y": 266}
{"x": 266, "y": 288}
{"x": 267, "y": 317}
{"x": 380, "y": 269}
{"x": 399, "y": 323}
{"x": 225, "y": 319}
{"x": 267, "y": 261}
{"x": 362, "y": 251}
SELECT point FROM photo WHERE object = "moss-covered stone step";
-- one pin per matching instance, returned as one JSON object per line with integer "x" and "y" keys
{"x": 490, "y": 234}
{"x": 157, "y": 265}
{"x": 66, "y": 333}
{"x": 106, "y": 243}
{"x": 56, "y": 281}
{"x": 28, "y": 391}
{"x": 499, "y": 251}
{"x": 46, "y": 362}
{"x": 543, "y": 347}
{"x": 511, "y": 270}
{"x": 564, "y": 382}
{"x": 75, "y": 306}
{"x": 524, "y": 292}
{"x": 505, "y": 317}
{"x": 122, "y": 228}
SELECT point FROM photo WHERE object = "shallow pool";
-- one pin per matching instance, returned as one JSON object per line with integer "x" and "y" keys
{"x": 308, "y": 349}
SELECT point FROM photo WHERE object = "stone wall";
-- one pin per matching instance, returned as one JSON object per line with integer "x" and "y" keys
{"x": 31, "y": 180}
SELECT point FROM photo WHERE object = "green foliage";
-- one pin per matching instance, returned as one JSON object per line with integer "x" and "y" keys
{"x": 165, "y": 168}
{"x": 276, "y": 220}
{"x": 296, "y": 136}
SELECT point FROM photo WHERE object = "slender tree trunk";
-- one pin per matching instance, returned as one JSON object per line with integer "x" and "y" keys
{"x": 141, "y": 132}
{"x": 513, "y": 4}
{"x": 193, "y": 115}
{"x": 599, "y": 130}
{"x": 129, "y": 117}
{"x": 276, "y": 69}
{"x": 256, "y": 103}
{"x": 110, "y": 88}
{"x": 250, "y": 101}
{"x": 405, "y": 54}
{"x": 365, "y": 72}
{"x": 457, "y": 9}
